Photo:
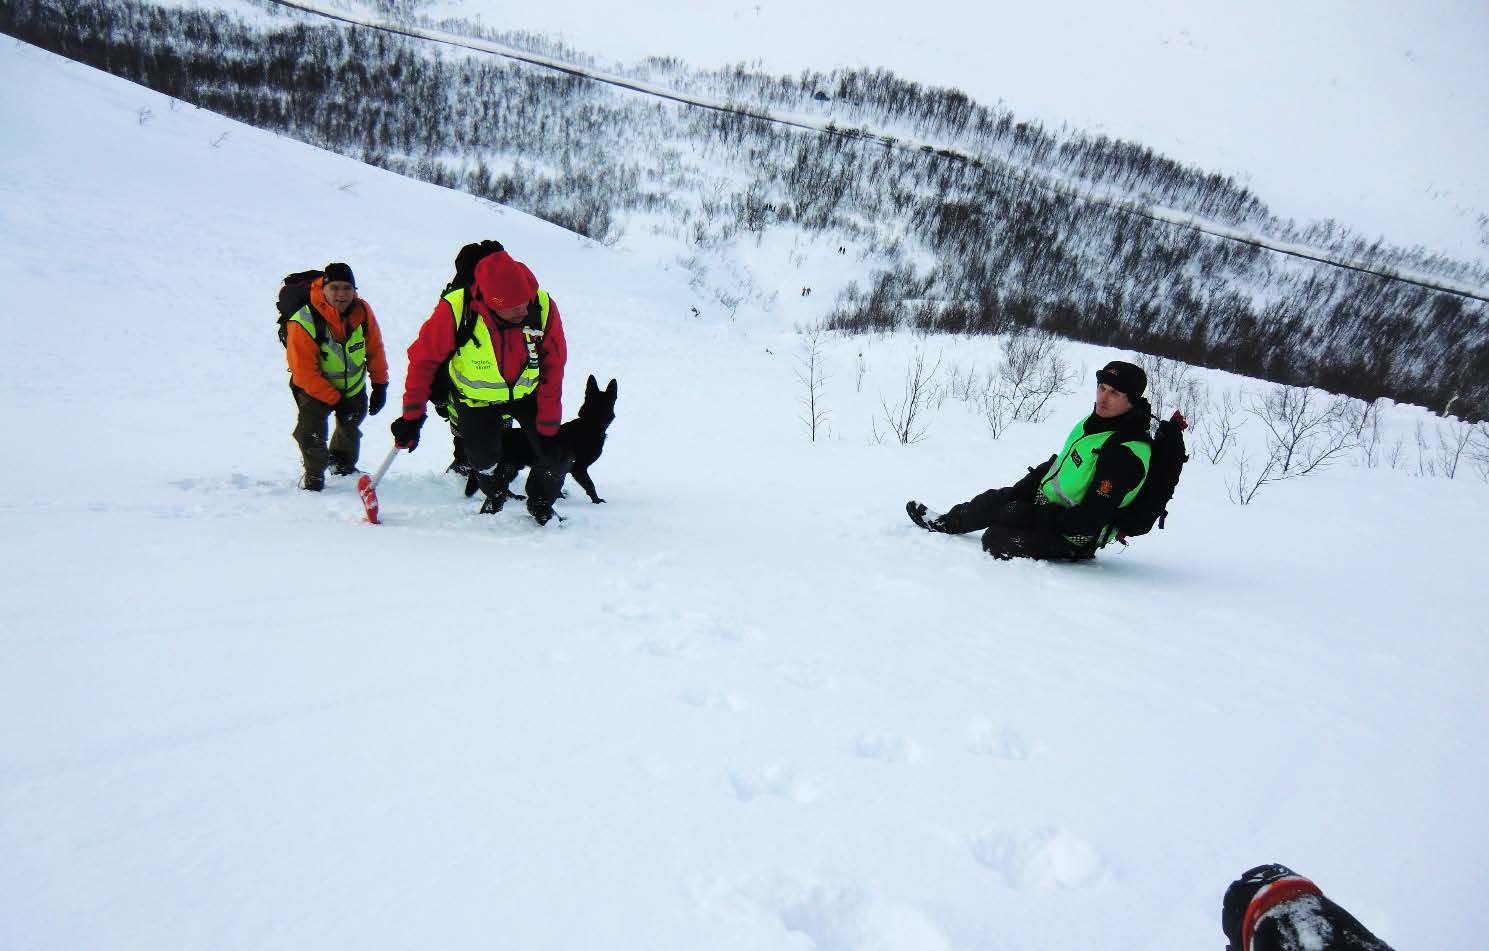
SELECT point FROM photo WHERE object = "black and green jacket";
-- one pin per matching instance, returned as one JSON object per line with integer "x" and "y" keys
{"x": 1082, "y": 518}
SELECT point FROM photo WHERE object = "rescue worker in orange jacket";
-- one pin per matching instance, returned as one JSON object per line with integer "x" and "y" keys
{"x": 335, "y": 354}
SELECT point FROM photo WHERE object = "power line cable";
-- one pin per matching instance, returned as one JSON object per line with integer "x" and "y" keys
{"x": 1038, "y": 180}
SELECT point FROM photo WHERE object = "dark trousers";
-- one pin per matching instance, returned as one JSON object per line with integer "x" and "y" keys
{"x": 1006, "y": 543}
{"x": 313, "y": 421}
{"x": 483, "y": 430}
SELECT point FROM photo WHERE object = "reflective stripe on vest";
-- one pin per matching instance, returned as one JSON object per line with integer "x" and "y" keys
{"x": 474, "y": 370}
{"x": 344, "y": 365}
{"x": 1074, "y": 470}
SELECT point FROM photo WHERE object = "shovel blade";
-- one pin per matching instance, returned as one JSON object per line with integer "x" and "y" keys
{"x": 368, "y": 492}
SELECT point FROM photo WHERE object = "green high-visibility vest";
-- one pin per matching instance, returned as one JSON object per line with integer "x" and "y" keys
{"x": 474, "y": 372}
{"x": 344, "y": 365}
{"x": 1070, "y": 476}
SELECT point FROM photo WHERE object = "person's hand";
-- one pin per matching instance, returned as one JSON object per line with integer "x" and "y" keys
{"x": 378, "y": 399}
{"x": 406, "y": 432}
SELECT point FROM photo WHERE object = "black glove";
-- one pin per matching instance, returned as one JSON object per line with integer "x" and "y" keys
{"x": 379, "y": 398}
{"x": 406, "y": 432}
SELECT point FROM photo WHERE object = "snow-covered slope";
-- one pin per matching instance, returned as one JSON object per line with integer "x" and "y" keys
{"x": 744, "y": 704}
{"x": 1366, "y": 112}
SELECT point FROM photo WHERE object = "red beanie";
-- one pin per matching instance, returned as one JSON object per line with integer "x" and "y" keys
{"x": 504, "y": 282}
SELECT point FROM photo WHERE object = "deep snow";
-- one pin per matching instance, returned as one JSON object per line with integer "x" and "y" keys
{"x": 744, "y": 704}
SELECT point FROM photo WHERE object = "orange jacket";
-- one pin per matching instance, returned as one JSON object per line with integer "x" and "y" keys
{"x": 304, "y": 357}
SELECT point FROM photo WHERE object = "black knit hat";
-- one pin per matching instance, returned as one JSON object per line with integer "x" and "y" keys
{"x": 1127, "y": 378}
{"x": 340, "y": 272}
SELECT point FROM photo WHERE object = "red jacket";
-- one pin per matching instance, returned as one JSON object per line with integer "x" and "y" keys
{"x": 304, "y": 356}
{"x": 436, "y": 341}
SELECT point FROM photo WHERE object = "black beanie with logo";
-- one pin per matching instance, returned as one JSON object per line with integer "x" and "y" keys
{"x": 1127, "y": 378}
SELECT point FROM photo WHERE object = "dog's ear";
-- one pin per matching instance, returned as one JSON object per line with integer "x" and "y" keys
{"x": 610, "y": 390}
{"x": 591, "y": 385}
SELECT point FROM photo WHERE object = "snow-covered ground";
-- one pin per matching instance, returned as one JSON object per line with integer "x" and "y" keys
{"x": 1367, "y": 111}
{"x": 742, "y": 705}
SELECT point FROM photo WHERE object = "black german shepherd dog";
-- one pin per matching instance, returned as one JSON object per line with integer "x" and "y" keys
{"x": 581, "y": 439}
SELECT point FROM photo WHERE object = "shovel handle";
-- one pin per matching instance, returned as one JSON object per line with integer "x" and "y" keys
{"x": 383, "y": 469}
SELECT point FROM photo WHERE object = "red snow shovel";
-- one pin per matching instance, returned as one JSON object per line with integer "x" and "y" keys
{"x": 367, "y": 486}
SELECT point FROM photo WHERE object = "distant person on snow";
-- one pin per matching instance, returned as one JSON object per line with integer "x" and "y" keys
{"x": 505, "y": 348}
{"x": 1273, "y": 908}
{"x": 331, "y": 377}
{"x": 1066, "y": 507}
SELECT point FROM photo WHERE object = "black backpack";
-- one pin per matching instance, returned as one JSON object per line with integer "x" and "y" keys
{"x": 466, "y": 260}
{"x": 465, "y": 276}
{"x": 1164, "y": 466}
{"x": 294, "y": 293}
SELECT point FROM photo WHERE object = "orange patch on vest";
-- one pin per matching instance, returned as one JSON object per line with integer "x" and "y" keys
{"x": 1105, "y": 488}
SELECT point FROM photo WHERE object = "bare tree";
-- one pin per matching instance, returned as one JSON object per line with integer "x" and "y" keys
{"x": 1173, "y": 385}
{"x": 1478, "y": 450}
{"x": 811, "y": 374}
{"x": 1217, "y": 425}
{"x": 1441, "y": 456}
{"x": 997, "y": 410}
{"x": 1364, "y": 421}
{"x": 1396, "y": 458}
{"x": 1249, "y": 480}
{"x": 907, "y": 418}
{"x": 1305, "y": 432}
{"x": 1031, "y": 372}
{"x": 963, "y": 386}
{"x": 730, "y": 301}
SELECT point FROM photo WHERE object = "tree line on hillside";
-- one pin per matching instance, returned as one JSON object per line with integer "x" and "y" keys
{"x": 1013, "y": 250}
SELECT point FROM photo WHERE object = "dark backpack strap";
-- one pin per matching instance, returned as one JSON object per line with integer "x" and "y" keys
{"x": 466, "y": 328}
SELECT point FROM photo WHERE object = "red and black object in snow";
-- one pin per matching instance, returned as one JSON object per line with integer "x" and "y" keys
{"x": 367, "y": 486}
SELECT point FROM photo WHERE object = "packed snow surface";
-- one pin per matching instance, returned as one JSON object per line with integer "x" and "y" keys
{"x": 742, "y": 705}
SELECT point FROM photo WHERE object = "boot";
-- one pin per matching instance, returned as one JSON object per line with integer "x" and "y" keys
{"x": 540, "y": 509}
{"x": 458, "y": 463}
{"x": 494, "y": 483}
{"x": 543, "y": 486}
{"x": 313, "y": 481}
{"x": 341, "y": 464}
{"x": 493, "y": 504}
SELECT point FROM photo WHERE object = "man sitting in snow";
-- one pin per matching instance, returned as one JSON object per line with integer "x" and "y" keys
{"x": 1066, "y": 507}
